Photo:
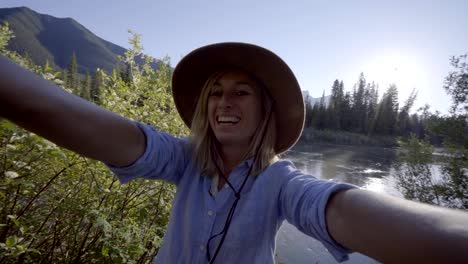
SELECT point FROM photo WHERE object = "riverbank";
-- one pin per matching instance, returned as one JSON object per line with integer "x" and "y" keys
{"x": 313, "y": 136}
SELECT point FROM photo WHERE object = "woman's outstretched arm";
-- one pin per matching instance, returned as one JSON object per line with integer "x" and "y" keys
{"x": 394, "y": 230}
{"x": 46, "y": 109}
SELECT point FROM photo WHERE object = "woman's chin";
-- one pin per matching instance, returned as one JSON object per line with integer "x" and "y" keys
{"x": 232, "y": 140}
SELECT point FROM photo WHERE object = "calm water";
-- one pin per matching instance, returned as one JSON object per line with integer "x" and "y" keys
{"x": 367, "y": 167}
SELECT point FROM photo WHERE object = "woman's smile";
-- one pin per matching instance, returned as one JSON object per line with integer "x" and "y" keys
{"x": 227, "y": 119}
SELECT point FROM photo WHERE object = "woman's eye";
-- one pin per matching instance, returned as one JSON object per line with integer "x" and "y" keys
{"x": 215, "y": 93}
{"x": 241, "y": 93}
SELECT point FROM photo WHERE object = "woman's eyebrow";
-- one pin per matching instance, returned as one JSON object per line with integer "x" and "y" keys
{"x": 248, "y": 84}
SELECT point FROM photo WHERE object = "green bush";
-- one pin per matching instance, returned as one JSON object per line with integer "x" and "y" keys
{"x": 58, "y": 207}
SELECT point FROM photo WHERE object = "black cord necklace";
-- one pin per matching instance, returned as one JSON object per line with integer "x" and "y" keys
{"x": 227, "y": 224}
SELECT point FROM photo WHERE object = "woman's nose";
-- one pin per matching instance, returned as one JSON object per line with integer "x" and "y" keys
{"x": 226, "y": 101}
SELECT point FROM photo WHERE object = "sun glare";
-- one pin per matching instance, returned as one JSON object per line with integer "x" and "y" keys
{"x": 394, "y": 68}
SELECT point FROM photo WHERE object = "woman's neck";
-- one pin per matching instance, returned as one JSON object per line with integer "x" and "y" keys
{"x": 231, "y": 156}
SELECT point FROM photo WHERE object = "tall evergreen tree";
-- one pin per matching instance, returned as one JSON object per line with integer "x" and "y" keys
{"x": 308, "y": 116}
{"x": 126, "y": 74}
{"x": 336, "y": 101}
{"x": 359, "y": 108}
{"x": 366, "y": 109}
{"x": 345, "y": 109}
{"x": 322, "y": 115}
{"x": 85, "y": 92}
{"x": 73, "y": 81}
{"x": 97, "y": 86}
{"x": 404, "y": 124}
{"x": 387, "y": 113}
{"x": 372, "y": 107}
{"x": 315, "y": 116}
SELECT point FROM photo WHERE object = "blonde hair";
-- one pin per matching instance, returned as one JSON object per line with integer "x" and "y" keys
{"x": 205, "y": 145}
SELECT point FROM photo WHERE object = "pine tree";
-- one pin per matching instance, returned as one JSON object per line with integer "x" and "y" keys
{"x": 344, "y": 108}
{"x": 387, "y": 113}
{"x": 315, "y": 117}
{"x": 72, "y": 75}
{"x": 126, "y": 74}
{"x": 64, "y": 76}
{"x": 97, "y": 86}
{"x": 359, "y": 108}
{"x": 404, "y": 125}
{"x": 85, "y": 92}
{"x": 336, "y": 101}
{"x": 322, "y": 115}
{"x": 372, "y": 107}
{"x": 308, "y": 111}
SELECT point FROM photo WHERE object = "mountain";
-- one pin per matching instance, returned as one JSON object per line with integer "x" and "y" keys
{"x": 44, "y": 37}
{"x": 313, "y": 100}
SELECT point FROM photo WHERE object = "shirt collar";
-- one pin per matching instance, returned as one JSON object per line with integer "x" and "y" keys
{"x": 248, "y": 162}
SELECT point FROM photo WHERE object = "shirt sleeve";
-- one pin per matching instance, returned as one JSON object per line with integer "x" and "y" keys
{"x": 303, "y": 201}
{"x": 165, "y": 158}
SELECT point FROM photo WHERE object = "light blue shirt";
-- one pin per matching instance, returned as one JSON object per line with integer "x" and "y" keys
{"x": 281, "y": 192}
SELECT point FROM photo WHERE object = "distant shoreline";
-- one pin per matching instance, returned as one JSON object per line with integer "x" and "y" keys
{"x": 313, "y": 136}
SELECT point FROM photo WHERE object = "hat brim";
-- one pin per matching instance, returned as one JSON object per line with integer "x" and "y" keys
{"x": 195, "y": 68}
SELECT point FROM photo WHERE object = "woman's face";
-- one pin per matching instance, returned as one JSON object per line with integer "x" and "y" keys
{"x": 234, "y": 109}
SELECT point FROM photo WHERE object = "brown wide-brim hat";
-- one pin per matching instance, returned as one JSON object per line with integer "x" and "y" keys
{"x": 194, "y": 70}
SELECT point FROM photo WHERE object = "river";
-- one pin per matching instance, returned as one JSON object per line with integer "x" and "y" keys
{"x": 367, "y": 167}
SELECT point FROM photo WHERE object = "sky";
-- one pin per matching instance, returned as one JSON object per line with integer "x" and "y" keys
{"x": 408, "y": 43}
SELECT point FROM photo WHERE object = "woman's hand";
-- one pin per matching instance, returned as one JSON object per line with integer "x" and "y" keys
{"x": 43, "y": 108}
{"x": 394, "y": 230}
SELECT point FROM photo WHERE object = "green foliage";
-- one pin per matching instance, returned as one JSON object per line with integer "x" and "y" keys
{"x": 414, "y": 175}
{"x": 456, "y": 84}
{"x": 5, "y": 36}
{"x": 450, "y": 188}
{"x": 58, "y": 207}
{"x": 416, "y": 180}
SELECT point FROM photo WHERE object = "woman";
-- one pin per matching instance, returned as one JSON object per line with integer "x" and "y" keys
{"x": 244, "y": 106}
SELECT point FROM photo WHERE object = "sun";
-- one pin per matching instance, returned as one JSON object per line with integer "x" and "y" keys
{"x": 396, "y": 68}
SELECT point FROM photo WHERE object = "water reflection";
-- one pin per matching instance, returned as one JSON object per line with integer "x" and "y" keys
{"x": 344, "y": 163}
{"x": 371, "y": 168}
{"x": 367, "y": 167}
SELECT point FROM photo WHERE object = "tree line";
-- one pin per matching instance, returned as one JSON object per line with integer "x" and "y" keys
{"x": 361, "y": 111}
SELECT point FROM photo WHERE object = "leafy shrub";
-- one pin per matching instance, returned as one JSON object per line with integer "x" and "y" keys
{"x": 57, "y": 206}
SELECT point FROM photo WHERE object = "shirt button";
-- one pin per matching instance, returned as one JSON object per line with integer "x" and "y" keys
{"x": 210, "y": 213}
{"x": 202, "y": 247}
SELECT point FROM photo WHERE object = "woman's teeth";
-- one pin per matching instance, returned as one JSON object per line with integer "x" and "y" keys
{"x": 228, "y": 119}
